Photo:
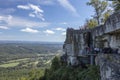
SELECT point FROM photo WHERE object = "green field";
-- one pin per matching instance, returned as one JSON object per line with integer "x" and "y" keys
{"x": 13, "y": 63}
{"x": 18, "y": 60}
{"x": 9, "y": 65}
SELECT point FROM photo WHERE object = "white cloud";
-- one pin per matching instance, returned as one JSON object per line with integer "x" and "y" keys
{"x": 64, "y": 33}
{"x": 67, "y": 5}
{"x": 6, "y": 18}
{"x": 31, "y": 15}
{"x": 60, "y": 29}
{"x": 23, "y": 7}
{"x": 3, "y": 27}
{"x": 13, "y": 21}
{"x": 29, "y": 30}
{"x": 49, "y": 32}
{"x": 36, "y": 10}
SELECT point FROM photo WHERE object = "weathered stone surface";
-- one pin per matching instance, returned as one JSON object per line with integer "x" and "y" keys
{"x": 82, "y": 43}
{"x": 112, "y": 25}
{"x": 109, "y": 66}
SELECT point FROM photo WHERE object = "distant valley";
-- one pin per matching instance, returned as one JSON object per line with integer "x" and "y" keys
{"x": 23, "y": 57}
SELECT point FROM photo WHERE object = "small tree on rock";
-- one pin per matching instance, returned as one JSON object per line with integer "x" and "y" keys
{"x": 99, "y": 7}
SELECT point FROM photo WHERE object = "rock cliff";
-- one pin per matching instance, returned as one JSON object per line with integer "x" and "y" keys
{"x": 109, "y": 66}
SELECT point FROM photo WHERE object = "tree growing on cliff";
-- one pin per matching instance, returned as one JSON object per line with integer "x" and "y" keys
{"x": 106, "y": 15}
{"x": 91, "y": 23}
{"x": 99, "y": 6}
{"x": 116, "y": 5}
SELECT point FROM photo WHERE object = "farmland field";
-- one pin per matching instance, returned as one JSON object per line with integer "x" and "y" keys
{"x": 9, "y": 64}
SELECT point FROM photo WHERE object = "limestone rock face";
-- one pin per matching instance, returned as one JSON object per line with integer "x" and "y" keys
{"x": 109, "y": 66}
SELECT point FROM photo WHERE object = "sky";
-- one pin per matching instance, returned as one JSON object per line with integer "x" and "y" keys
{"x": 41, "y": 20}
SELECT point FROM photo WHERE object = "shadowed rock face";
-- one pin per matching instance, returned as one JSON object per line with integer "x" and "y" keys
{"x": 109, "y": 66}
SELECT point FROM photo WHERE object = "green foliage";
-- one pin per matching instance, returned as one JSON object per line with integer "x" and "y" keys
{"x": 99, "y": 7}
{"x": 92, "y": 73}
{"x": 70, "y": 73}
{"x": 13, "y": 74}
{"x": 55, "y": 63}
{"x": 91, "y": 23}
{"x": 106, "y": 15}
{"x": 36, "y": 74}
{"x": 23, "y": 78}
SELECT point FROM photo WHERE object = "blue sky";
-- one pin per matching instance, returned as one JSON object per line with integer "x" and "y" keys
{"x": 41, "y": 20}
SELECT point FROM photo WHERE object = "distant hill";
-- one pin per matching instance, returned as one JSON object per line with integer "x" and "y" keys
{"x": 30, "y": 42}
{"x": 13, "y": 49}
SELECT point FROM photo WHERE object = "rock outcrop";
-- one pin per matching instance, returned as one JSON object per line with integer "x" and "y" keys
{"x": 83, "y": 45}
{"x": 83, "y": 42}
{"x": 109, "y": 66}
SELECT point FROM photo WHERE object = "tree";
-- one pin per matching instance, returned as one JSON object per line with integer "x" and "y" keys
{"x": 99, "y": 7}
{"x": 91, "y": 23}
{"x": 106, "y": 15}
{"x": 55, "y": 63}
